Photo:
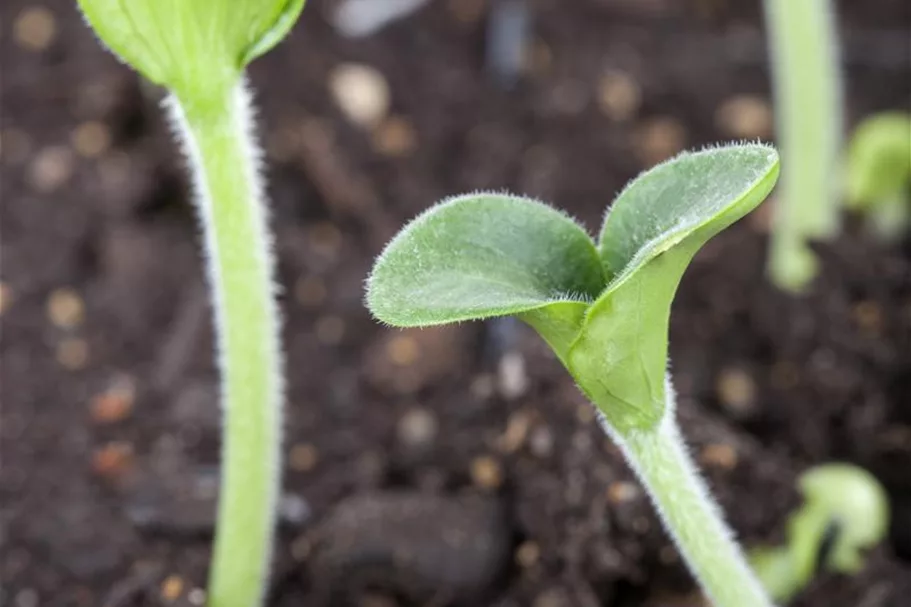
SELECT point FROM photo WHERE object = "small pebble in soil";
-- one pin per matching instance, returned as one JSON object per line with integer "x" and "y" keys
{"x": 325, "y": 240}
{"x": 310, "y": 291}
{"x": 719, "y": 455}
{"x": 91, "y": 139}
{"x": 868, "y": 317}
{"x": 512, "y": 379}
{"x": 784, "y": 375}
{"x": 736, "y": 391}
{"x": 361, "y": 93}
{"x": 483, "y": 386}
{"x": 403, "y": 350}
{"x": 486, "y": 472}
{"x": 417, "y": 428}
{"x": 35, "y": 28}
{"x": 553, "y": 597}
{"x": 51, "y": 168}
{"x": 467, "y": 12}
{"x": 197, "y": 596}
{"x": 539, "y": 59}
{"x": 528, "y": 554}
{"x": 394, "y": 137}
{"x": 416, "y": 545}
{"x": 657, "y": 139}
{"x": 371, "y": 468}
{"x": 622, "y": 492}
{"x": 357, "y": 18}
{"x": 294, "y": 510}
{"x": 668, "y": 555}
{"x": 115, "y": 171}
{"x": 330, "y": 330}
{"x": 303, "y": 457}
{"x": 171, "y": 588}
{"x": 72, "y": 353}
{"x": 65, "y": 308}
{"x": 745, "y": 116}
{"x": 585, "y": 413}
{"x": 115, "y": 404}
{"x": 516, "y": 431}
{"x": 283, "y": 143}
{"x": 6, "y": 297}
{"x": 404, "y": 362}
{"x": 619, "y": 95}
{"x": 16, "y": 146}
{"x": 541, "y": 442}
{"x": 27, "y": 597}
{"x": 113, "y": 460}
{"x": 568, "y": 98}
{"x": 374, "y": 598}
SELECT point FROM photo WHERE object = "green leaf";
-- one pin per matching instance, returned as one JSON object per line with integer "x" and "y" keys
{"x": 878, "y": 175}
{"x": 649, "y": 237}
{"x": 191, "y": 46}
{"x": 855, "y": 501}
{"x": 485, "y": 255}
{"x": 838, "y": 498}
{"x": 879, "y": 159}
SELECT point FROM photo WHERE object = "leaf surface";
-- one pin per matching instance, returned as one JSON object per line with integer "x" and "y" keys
{"x": 651, "y": 233}
{"x": 484, "y": 255}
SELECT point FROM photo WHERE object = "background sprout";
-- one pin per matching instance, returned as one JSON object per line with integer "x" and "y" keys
{"x": 603, "y": 308}
{"x": 878, "y": 178}
{"x": 845, "y": 512}
{"x": 198, "y": 51}
{"x": 808, "y": 113}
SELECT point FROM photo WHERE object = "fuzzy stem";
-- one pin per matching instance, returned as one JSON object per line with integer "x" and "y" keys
{"x": 223, "y": 158}
{"x": 808, "y": 115}
{"x": 666, "y": 470}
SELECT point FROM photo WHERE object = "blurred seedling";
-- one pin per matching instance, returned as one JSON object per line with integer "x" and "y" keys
{"x": 878, "y": 172}
{"x": 845, "y": 512}
{"x": 603, "y": 308}
{"x": 808, "y": 113}
{"x": 198, "y": 52}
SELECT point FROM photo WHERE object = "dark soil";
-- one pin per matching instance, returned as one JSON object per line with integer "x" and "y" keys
{"x": 110, "y": 419}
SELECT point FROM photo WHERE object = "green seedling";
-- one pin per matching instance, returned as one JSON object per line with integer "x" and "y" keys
{"x": 845, "y": 512}
{"x": 603, "y": 308}
{"x": 878, "y": 176}
{"x": 808, "y": 115}
{"x": 198, "y": 51}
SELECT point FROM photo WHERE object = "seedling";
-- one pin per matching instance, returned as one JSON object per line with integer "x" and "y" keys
{"x": 808, "y": 112}
{"x": 879, "y": 171}
{"x": 198, "y": 51}
{"x": 845, "y": 512}
{"x": 603, "y": 309}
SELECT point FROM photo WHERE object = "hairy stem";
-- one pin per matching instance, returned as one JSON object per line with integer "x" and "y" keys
{"x": 808, "y": 115}
{"x": 689, "y": 513}
{"x": 224, "y": 160}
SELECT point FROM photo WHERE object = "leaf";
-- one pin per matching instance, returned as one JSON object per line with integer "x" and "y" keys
{"x": 878, "y": 172}
{"x": 879, "y": 159}
{"x": 649, "y": 237}
{"x": 484, "y": 255}
{"x": 664, "y": 205}
{"x": 191, "y": 46}
{"x": 855, "y": 501}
